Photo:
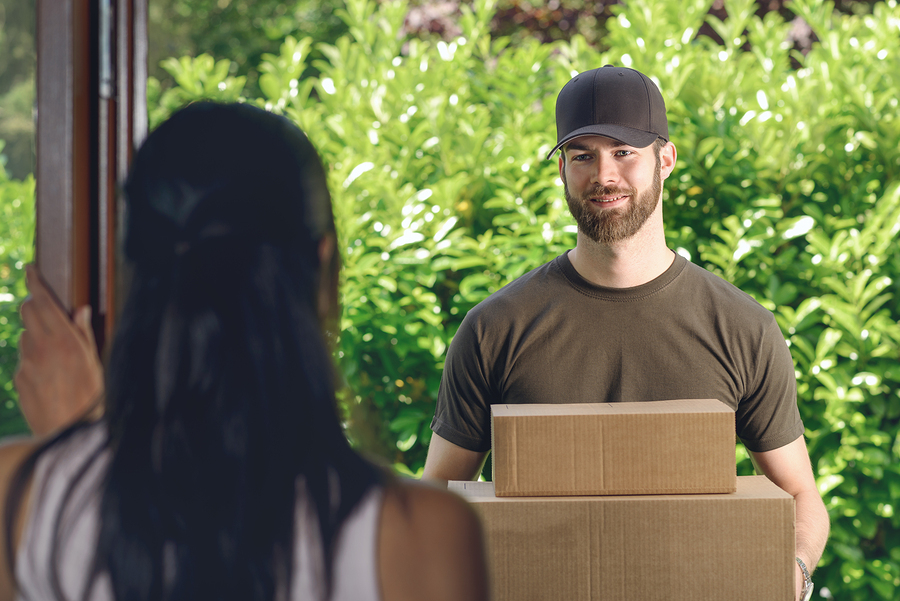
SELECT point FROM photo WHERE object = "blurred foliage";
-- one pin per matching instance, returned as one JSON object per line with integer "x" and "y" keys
{"x": 240, "y": 31}
{"x": 787, "y": 184}
{"x": 16, "y": 235}
{"x": 17, "y": 96}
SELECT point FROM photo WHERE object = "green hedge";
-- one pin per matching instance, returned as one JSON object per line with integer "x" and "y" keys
{"x": 787, "y": 184}
{"x": 16, "y": 236}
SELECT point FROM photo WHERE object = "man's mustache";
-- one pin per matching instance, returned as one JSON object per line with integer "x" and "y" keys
{"x": 607, "y": 191}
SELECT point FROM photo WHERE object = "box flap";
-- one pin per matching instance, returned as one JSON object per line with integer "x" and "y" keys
{"x": 628, "y": 408}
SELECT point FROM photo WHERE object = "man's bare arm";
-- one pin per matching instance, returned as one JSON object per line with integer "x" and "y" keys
{"x": 447, "y": 461}
{"x": 790, "y": 469}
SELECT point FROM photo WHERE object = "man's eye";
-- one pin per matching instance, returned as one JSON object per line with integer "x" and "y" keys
{"x": 623, "y": 153}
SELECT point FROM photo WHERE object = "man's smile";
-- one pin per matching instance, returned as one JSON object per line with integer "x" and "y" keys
{"x": 609, "y": 198}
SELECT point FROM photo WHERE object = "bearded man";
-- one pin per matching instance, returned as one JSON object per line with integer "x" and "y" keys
{"x": 621, "y": 317}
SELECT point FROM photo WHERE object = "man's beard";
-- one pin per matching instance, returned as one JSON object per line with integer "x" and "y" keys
{"x": 614, "y": 225}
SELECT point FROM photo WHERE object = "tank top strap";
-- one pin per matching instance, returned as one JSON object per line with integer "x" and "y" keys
{"x": 356, "y": 553}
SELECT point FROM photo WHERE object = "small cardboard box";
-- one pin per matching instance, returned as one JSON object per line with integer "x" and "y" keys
{"x": 658, "y": 447}
{"x": 737, "y": 546}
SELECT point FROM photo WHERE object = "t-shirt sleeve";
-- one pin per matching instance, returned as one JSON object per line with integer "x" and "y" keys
{"x": 767, "y": 417}
{"x": 463, "y": 412}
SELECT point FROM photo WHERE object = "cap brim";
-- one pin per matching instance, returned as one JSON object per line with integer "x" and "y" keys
{"x": 627, "y": 135}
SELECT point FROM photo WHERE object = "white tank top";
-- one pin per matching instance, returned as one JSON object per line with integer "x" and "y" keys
{"x": 355, "y": 564}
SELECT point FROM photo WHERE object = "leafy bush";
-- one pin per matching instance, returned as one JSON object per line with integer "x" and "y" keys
{"x": 242, "y": 30}
{"x": 16, "y": 235}
{"x": 787, "y": 184}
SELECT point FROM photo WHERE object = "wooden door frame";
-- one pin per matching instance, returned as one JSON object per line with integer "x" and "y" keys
{"x": 91, "y": 113}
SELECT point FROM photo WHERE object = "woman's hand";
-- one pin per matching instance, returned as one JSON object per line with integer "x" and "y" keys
{"x": 60, "y": 376}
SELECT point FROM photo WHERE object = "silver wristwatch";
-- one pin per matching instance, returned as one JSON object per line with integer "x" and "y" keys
{"x": 806, "y": 593}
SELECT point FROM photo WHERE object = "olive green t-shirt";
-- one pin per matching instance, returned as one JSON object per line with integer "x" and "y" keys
{"x": 552, "y": 337}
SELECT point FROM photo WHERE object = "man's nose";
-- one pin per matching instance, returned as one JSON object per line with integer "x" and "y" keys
{"x": 607, "y": 172}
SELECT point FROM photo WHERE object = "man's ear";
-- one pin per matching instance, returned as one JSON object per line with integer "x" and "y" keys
{"x": 562, "y": 171}
{"x": 668, "y": 155}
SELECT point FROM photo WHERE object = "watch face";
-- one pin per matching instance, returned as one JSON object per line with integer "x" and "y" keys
{"x": 807, "y": 593}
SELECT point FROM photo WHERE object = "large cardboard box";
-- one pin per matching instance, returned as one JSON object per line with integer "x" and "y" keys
{"x": 658, "y": 447}
{"x": 738, "y": 547}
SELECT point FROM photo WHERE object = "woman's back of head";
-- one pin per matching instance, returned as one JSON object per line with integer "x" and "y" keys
{"x": 220, "y": 397}
{"x": 231, "y": 165}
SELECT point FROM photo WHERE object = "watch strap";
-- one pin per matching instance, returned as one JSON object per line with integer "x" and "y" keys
{"x": 806, "y": 593}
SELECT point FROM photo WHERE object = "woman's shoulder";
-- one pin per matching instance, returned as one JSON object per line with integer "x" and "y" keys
{"x": 426, "y": 509}
{"x": 430, "y": 545}
{"x": 13, "y": 453}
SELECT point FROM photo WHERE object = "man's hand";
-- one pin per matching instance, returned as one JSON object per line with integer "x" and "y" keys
{"x": 60, "y": 377}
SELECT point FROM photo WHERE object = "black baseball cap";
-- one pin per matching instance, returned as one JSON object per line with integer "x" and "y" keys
{"x": 616, "y": 102}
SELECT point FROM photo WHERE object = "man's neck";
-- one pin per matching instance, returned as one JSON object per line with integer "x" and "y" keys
{"x": 625, "y": 264}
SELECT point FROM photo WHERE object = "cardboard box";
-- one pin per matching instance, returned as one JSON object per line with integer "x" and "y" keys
{"x": 658, "y": 447}
{"x": 738, "y": 546}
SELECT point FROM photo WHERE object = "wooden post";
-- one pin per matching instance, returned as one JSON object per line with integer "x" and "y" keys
{"x": 63, "y": 142}
{"x": 91, "y": 97}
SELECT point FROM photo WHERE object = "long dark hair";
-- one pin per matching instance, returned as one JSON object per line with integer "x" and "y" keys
{"x": 220, "y": 399}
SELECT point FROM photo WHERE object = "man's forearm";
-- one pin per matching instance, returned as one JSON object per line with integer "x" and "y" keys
{"x": 447, "y": 461}
{"x": 812, "y": 526}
